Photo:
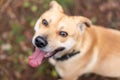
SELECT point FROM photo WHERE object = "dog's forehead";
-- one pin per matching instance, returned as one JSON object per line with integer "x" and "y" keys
{"x": 51, "y": 16}
{"x": 68, "y": 25}
{"x": 67, "y": 22}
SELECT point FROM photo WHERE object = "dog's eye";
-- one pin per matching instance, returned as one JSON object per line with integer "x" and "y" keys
{"x": 44, "y": 22}
{"x": 63, "y": 33}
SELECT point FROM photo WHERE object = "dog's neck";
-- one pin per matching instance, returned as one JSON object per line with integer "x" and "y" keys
{"x": 67, "y": 56}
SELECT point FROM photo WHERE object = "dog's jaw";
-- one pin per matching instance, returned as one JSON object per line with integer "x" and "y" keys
{"x": 69, "y": 44}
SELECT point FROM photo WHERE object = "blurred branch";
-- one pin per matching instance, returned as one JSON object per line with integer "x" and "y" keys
{"x": 4, "y": 70}
{"x": 3, "y": 8}
{"x": 1, "y": 2}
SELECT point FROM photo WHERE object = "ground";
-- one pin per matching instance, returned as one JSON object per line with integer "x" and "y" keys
{"x": 17, "y": 18}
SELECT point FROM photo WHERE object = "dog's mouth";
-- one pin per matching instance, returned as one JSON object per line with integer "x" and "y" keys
{"x": 39, "y": 55}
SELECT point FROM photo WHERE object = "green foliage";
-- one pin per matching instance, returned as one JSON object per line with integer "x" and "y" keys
{"x": 16, "y": 28}
{"x": 11, "y": 50}
{"x": 46, "y": 3}
{"x": 2, "y": 42}
{"x": 94, "y": 20}
{"x": 29, "y": 51}
{"x": 32, "y": 23}
{"x": 34, "y": 8}
{"x": 66, "y": 3}
{"x": 43, "y": 68}
{"x": 26, "y": 4}
{"x": 54, "y": 73}
{"x": 20, "y": 38}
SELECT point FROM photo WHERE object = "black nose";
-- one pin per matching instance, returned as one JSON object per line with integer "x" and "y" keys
{"x": 40, "y": 42}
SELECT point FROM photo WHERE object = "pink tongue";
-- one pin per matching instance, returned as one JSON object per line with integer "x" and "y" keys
{"x": 36, "y": 58}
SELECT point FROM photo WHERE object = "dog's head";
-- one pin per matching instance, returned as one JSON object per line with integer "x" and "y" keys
{"x": 56, "y": 34}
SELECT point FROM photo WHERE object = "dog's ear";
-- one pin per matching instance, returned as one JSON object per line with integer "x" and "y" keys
{"x": 81, "y": 27}
{"x": 55, "y": 6}
{"x": 84, "y": 22}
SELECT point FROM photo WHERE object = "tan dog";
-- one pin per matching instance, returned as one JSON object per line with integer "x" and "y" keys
{"x": 74, "y": 45}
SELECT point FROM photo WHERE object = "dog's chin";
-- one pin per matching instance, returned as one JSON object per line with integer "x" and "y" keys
{"x": 39, "y": 55}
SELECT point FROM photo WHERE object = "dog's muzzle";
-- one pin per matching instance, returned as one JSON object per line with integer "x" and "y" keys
{"x": 40, "y": 42}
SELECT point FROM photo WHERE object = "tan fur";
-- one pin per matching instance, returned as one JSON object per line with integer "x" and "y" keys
{"x": 100, "y": 47}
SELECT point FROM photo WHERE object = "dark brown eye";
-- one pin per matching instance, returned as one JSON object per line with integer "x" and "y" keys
{"x": 63, "y": 33}
{"x": 44, "y": 22}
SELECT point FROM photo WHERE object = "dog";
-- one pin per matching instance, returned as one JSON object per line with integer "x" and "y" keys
{"x": 74, "y": 45}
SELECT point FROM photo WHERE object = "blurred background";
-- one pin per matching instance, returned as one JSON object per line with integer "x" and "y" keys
{"x": 17, "y": 19}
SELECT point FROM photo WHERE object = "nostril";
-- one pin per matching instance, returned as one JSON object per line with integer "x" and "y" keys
{"x": 36, "y": 40}
{"x": 40, "y": 42}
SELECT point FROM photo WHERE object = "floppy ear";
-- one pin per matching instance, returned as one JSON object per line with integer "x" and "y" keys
{"x": 55, "y": 6}
{"x": 84, "y": 22}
